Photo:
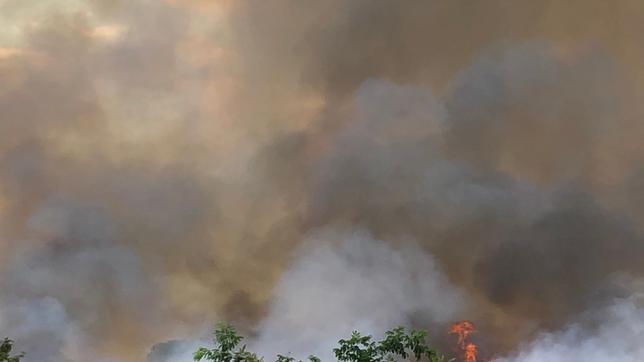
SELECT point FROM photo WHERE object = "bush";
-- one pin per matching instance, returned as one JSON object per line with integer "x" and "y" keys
{"x": 5, "y": 352}
{"x": 358, "y": 348}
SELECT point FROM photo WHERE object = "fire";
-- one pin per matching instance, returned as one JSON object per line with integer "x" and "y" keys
{"x": 463, "y": 329}
{"x": 470, "y": 352}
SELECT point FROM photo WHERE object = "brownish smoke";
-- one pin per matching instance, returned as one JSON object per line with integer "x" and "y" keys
{"x": 161, "y": 160}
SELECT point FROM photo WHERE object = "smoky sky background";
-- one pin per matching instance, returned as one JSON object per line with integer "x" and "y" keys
{"x": 303, "y": 169}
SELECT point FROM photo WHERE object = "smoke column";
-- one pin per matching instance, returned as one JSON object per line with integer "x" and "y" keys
{"x": 305, "y": 169}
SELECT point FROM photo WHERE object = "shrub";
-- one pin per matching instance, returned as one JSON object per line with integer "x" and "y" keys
{"x": 397, "y": 343}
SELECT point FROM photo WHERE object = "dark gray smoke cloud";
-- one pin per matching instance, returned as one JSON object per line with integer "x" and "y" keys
{"x": 166, "y": 164}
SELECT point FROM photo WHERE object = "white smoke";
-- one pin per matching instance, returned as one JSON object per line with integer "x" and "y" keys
{"x": 615, "y": 335}
{"x": 347, "y": 280}
{"x": 41, "y": 303}
{"x": 340, "y": 281}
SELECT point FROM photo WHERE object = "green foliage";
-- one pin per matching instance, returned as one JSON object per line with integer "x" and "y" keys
{"x": 226, "y": 339}
{"x": 5, "y": 352}
{"x": 397, "y": 344}
{"x": 281, "y": 358}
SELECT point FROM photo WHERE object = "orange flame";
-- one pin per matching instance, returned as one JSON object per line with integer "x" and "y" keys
{"x": 470, "y": 352}
{"x": 463, "y": 329}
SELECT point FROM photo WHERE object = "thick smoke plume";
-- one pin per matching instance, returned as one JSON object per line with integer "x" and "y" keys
{"x": 304, "y": 169}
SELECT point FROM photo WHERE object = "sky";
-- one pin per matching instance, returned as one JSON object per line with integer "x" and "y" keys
{"x": 303, "y": 169}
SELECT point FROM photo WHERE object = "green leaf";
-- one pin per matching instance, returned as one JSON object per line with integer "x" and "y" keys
{"x": 397, "y": 344}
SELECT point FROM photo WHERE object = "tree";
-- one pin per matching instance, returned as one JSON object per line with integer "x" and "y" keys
{"x": 226, "y": 339}
{"x": 5, "y": 352}
{"x": 397, "y": 343}
{"x": 358, "y": 348}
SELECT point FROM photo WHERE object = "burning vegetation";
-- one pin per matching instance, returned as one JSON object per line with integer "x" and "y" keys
{"x": 398, "y": 344}
{"x": 307, "y": 168}
{"x": 463, "y": 330}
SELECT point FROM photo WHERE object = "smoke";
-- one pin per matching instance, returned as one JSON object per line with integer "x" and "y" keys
{"x": 79, "y": 270}
{"x": 360, "y": 284}
{"x": 302, "y": 170}
{"x": 616, "y": 336}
